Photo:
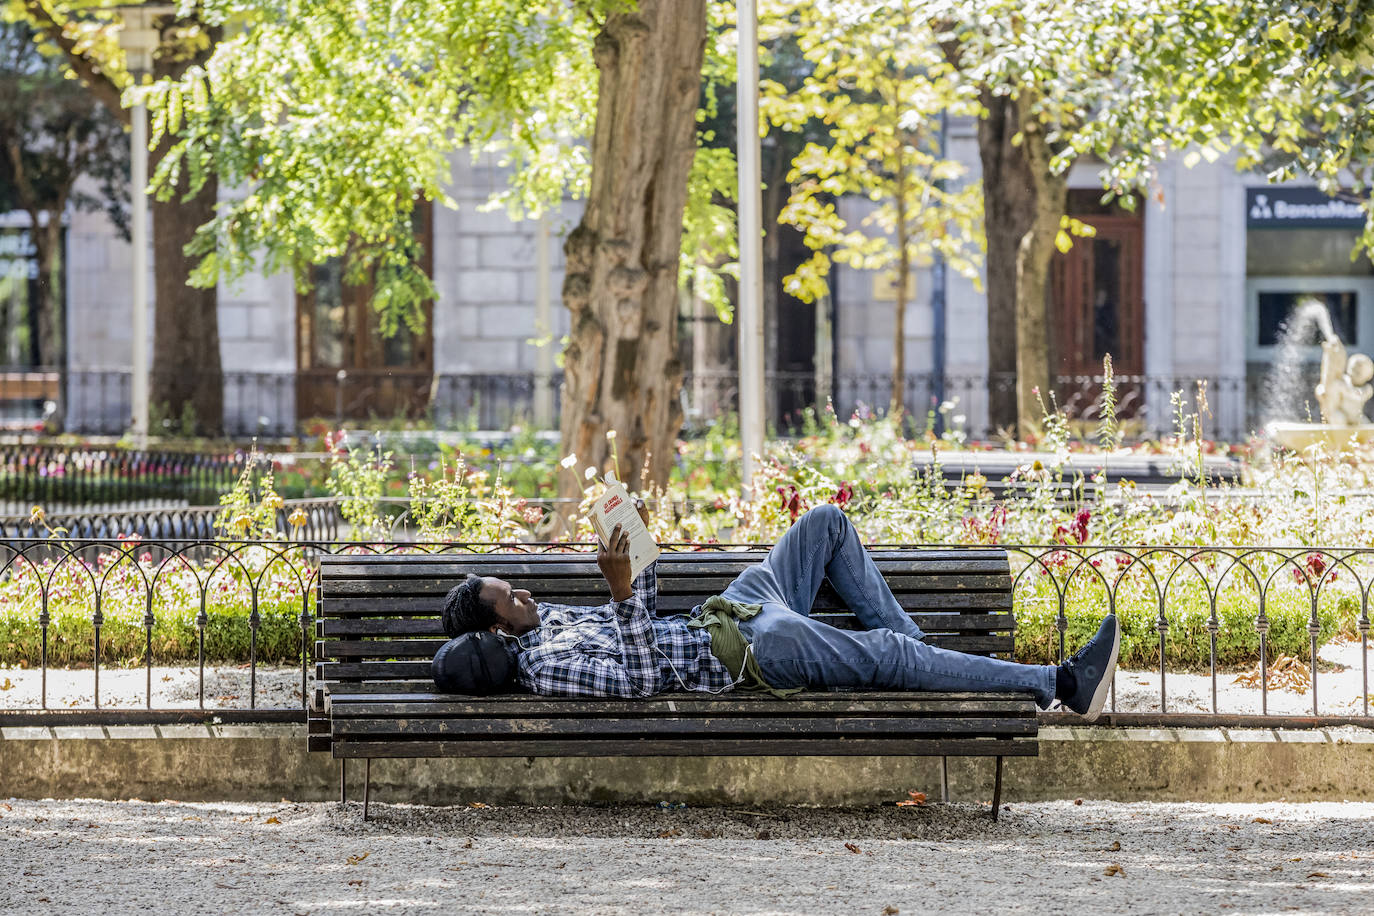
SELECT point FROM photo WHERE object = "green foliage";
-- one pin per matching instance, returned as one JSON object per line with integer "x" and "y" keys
{"x": 337, "y": 117}
{"x": 357, "y": 478}
{"x": 710, "y": 243}
{"x": 59, "y": 132}
{"x": 249, "y": 509}
{"x": 1187, "y": 643}
{"x": 1108, "y": 428}
{"x": 878, "y": 82}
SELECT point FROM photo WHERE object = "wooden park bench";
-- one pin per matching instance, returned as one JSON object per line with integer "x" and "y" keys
{"x": 378, "y": 627}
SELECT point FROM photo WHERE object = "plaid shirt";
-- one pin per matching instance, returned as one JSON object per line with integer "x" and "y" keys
{"x": 620, "y": 649}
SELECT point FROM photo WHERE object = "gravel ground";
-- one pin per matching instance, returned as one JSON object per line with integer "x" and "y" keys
{"x": 116, "y": 857}
{"x": 1340, "y": 684}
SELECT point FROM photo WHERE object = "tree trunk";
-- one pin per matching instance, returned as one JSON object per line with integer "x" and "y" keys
{"x": 1032, "y": 274}
{"x": 1022, "y": 205}
{"x": 621, "y": 366}
{"x": 1008, "y": 211}
{"x": 187, "y": 377}
{"x": 48, "y": 246}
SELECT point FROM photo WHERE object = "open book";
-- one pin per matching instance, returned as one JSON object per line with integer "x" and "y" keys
{"x": 615, "y": 507}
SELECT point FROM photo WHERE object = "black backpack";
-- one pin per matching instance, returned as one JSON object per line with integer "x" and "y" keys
{"x": 475, "y": 663}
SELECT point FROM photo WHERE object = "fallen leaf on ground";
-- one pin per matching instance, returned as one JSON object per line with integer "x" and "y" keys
{"x": 272, "y": 820}
{"x": 1287, "y": 673}
{"x": 1114, "y": 870}
{"x": 852, "y": 848}
{"x": 354, "y": 860}
{"x": 916, "y": 798}
{"x": 6, "y": 684}
{"x": 1115, "y": 847}
{"x": 890, "y": 911}
{"x": 1262, "y": 820}
{"x": 1318, "y": 874}
{"x": 478, "y": 805}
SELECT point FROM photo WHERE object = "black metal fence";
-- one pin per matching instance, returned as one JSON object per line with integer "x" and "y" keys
{"x": 1248, "y": 624}
{"x": 316, "y": 520}
{"x": 274, "y": 404}
{"x": 61, "y": 476}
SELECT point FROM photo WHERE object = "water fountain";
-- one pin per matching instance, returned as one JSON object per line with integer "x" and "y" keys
{"x": 1342, "y": 390}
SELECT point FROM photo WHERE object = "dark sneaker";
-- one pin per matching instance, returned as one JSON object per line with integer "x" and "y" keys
{"x": 1092, "y": 668}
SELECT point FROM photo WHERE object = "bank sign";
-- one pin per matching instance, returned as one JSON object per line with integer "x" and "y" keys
{"x": 1301, "y": 208}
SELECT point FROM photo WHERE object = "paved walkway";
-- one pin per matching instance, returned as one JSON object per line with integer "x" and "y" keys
{"x": 118, "y": 857}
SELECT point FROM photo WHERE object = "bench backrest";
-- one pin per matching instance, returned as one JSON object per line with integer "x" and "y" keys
{"x": 378, "y": 617}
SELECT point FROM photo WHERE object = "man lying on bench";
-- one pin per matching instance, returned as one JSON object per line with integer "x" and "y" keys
{"x": 756, "y": 634}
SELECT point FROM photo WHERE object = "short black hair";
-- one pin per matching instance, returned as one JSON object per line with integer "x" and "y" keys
{"x": 464, "y": 609}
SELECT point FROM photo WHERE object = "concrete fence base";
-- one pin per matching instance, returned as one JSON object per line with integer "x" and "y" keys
{"x": 269, "y": 762}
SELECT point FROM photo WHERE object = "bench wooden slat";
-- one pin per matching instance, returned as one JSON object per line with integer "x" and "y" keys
{"x": 357, "y": 692}
{"x": 706, "y": 746}
{"x": 387, "y": 606}
{"x": 708, "y": 584}
{"x": 420, "y": 670}
{"x": 426, "y": 648}
{"x": 689, "y": 562}
{"x": 363, "y": 627}
{"x": 679, "y": 727}
{"x": 400, "y": 705}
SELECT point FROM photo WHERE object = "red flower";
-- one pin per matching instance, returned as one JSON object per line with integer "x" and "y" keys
{"x": 1314, "y": 567}
{"x": 791, "y": 500}
{"x": 843, "y": 495}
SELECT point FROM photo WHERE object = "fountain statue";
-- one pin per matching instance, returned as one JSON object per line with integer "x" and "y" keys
{"x": 1342, "y": 391}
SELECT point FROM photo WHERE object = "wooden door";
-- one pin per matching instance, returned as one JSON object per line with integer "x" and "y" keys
{"x": 1097, "y": 308}
{"x": 346, "y": 369}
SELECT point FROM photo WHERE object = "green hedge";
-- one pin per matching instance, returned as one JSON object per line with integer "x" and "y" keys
{"x": 1187, "y": 644}
{"x": 123, "y": 639}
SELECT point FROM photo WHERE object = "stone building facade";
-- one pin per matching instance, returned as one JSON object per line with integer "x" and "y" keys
{"x": 1191, "y": 286}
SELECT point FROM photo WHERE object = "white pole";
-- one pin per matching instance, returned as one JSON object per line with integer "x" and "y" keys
{"x": 543, "y": 328}
{"x": 749, "y": 311}
{"x": 139, "y": 168}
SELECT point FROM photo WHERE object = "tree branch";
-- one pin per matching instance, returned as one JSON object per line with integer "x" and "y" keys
{"x": 83, "y": 65}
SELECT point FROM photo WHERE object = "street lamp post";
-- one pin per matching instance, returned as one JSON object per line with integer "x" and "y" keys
{"x": 749, "y": 312}
{"x": 140, "y": 39}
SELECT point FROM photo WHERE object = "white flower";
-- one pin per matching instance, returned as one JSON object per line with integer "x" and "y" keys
{"x": 589, "y": 473}
{"x": 610, "y": 435}
{"x": 569, "y": 462}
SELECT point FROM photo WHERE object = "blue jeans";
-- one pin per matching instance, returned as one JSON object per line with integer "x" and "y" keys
{"x": 795, "y": 651}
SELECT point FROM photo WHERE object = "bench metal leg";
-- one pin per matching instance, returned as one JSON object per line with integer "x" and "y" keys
{"x": 944, "y": 780}
{"x": 343, "y": 780}
{"x": 997, "y": 789}
{"x": 367, "y": 783}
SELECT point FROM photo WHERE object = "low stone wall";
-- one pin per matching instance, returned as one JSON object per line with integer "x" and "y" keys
{"x": 270, "y": 762}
